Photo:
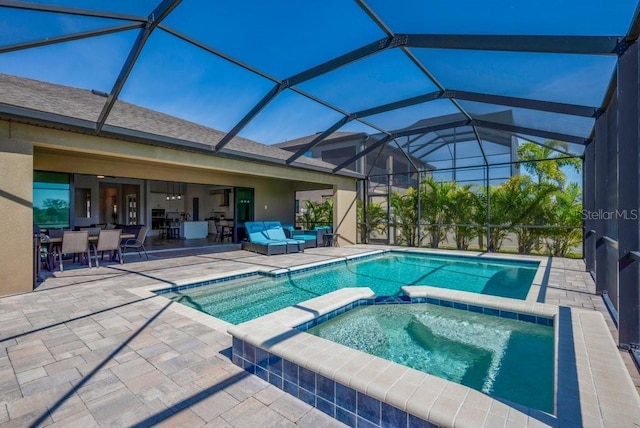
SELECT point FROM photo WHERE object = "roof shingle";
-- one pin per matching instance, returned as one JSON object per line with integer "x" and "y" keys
{"x": 65, "y": 101}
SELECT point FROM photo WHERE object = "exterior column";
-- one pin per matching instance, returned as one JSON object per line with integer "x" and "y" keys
{"x": 16, "y": 228}
{"x": 628, "y": 224}
{"x": 344, "y": 215}
{"x": 611, "y": 202}
{"x": 390, "y": 170}
{"x": 362, "y": 160}
{"x": 600, "y": 205}
{"x": 365, "y": 209}
{"x": 589, "y": 183}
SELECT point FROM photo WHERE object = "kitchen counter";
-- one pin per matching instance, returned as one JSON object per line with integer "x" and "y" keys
{"x": 194, "y": 229}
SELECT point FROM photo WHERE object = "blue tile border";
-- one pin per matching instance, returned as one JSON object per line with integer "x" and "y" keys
{"x": 385, "y": 300}
{"x": 325, "y": 317}
{"x": 204, "y": 283}
{"x": 339, "y": 401}
{"x": 471, "y": 258}
{"x": 265, "y": 274}
{"x": 356, "y": 258}
{"x": 502, "y": 313}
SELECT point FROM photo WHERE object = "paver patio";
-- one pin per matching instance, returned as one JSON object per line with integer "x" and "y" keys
{"x": 82, "y": 350}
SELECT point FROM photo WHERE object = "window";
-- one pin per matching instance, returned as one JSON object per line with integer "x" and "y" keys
{"x": 338, "y": 156}
{"x": 51, "y": 199}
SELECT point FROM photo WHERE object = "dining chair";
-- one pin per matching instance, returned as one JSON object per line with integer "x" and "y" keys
{"x": 93, "y": 230}
{"x": 226, "y": 230}
{"x": 108, "y": 240}
{"x": 218, "y": 233}
{"x": 136, "y": 243}
{"x": 54, "y": 249}
{"x": 75, "y": 243}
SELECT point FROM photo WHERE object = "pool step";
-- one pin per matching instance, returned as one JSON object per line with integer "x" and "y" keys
{"x": 382, "y": 300}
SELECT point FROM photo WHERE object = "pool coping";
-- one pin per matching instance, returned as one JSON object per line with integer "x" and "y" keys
{"x": 592, "y": 383}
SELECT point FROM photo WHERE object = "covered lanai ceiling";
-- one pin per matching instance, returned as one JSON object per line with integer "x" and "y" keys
{"x": 418, "y": 75}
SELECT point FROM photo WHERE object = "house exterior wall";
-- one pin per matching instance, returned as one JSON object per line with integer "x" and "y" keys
{"x": 16, "y": 227}
{"x": 344, "y": 214}
{"x": 25, "y": 148}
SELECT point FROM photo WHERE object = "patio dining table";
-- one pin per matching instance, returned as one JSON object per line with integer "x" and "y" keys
{"x": 92, "y": 238}
{"x": 56, "y": 241}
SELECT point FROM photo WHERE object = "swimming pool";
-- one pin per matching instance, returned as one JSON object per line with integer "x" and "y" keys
{"x": 242, "y": 299}
{"x": 502, "y": 357}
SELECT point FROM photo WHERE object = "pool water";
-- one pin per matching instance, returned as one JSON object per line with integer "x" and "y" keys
{"x": 501, "y": 357}
{"x": 240, "y": 300}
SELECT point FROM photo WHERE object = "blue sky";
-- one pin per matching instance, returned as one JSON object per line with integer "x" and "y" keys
{"x": 282, "y": 38}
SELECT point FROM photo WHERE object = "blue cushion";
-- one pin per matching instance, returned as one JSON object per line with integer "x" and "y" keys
{"x": 276, "y": 233}
{"x": 305, "y": 237}
{"x": 269, "y": 233}
{"x": 255, "y": 236}
{"x": 254, "y": 226}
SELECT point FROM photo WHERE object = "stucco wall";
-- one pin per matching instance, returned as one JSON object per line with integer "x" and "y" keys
{"x": 16, "y": 208}
{"x": 344, "y": 214}
{"x": 24, "y": 148}
{"x": 274, "y": 201}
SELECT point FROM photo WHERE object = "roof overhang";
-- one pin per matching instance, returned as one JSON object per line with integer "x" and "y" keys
{"x": 66, "y": 123}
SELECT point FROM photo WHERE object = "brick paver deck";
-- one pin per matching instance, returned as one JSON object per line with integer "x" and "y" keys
{"x": 82, "y": 350}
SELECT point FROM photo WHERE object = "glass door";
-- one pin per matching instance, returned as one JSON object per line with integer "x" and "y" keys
{"x": 132, "y": 209}
{"x": 243, "y": 197}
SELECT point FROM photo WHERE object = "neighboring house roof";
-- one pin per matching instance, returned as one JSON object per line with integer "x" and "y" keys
{"x": 293, "y": 145}
{"x": 502, "y": 116}
{"x": 73, "y": 109}
{"x": 337, "y": 137}
{"x": 447, "y": 135}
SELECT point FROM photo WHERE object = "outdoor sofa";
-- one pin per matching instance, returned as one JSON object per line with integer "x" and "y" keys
{"x": 315, "y": 237}
{"x": 310, "y": 237}
{"x": 274, "y": 230}
{"x": 268, "y": 238}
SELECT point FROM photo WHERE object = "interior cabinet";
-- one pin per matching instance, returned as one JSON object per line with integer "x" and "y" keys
{"x": 157, "y": 218}
{"x": 132, "y": 209}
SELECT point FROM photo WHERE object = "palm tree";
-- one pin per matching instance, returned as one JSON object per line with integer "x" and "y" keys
{"x": 565, "y": 211}
{"x": 316, "y": 214}
{"x": 519, "y": 201}
{"x": 462, "y": 205}
{"x": 373, "y": 219}
{"x": 434, "y": 201}
{"x": 324, "y": 212}
{"x": 548, "y": 171}
{"x": 479, "y": 213}
{"x": 498, "y": 215}
{"x": 309, "y": 217}
{"x": 405, "y": 215}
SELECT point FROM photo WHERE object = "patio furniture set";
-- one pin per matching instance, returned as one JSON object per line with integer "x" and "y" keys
{"x": 271, "y": 237}
{"x": 78, "y": 244}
